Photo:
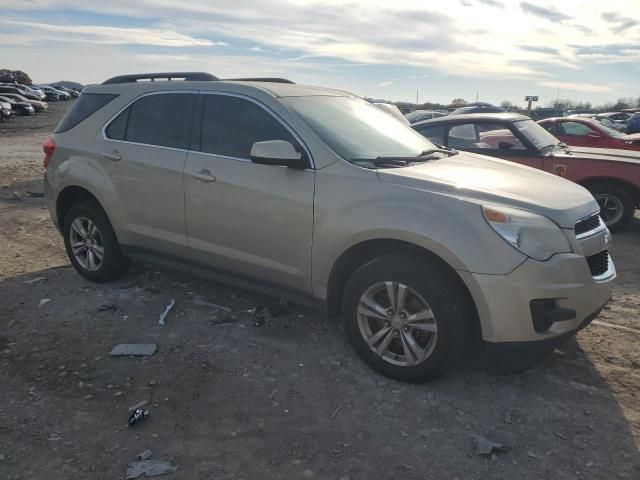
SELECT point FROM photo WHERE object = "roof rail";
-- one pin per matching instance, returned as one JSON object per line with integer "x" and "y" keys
{"x": 265, "y": 79}
{"x": 187, "y": 76}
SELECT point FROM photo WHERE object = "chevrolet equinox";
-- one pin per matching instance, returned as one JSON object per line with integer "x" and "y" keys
{"x": 317, "y": 196}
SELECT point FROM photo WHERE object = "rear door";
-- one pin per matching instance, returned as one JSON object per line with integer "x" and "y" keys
{"x": 250, "y": 220}
{"x": 144, "y": 149}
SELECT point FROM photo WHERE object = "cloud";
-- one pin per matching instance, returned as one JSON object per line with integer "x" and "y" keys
{"x": 621, "y": 23}
{"x": 117, "y": 35}
{"x": 386, "y": 84}
{"x": 578, "y": 87}
{"x": 550, "y": 14}
{"x": 492, "y": 3}
{"x": 547, "y": 50}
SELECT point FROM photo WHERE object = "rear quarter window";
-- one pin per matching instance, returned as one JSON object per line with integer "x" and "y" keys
{"x": 86, "y": 105}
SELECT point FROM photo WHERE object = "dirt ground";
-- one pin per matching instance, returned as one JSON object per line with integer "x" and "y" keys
{"x": 236, "y": 396}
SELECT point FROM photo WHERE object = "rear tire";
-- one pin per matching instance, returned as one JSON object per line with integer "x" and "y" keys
{"x": 91, "y": 243}
{"x": 616, "y": 204}
{"x": 416, "y": 339}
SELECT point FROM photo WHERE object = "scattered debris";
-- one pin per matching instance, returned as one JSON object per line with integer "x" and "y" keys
{"x": 146, "y": 455}
{"x": 34, "y": 280}
{"x": 108, "y": 307}
{"x": 486, "y": 447}
{"x": 35, "y": 194}
{"x": 335, "y": 412}
{"x": 203, "y": 303}
{"x": 139, "y": 415}
{"x": 164, "y": 314}
{"x": 612, "y": 325}
{"x": 138, "y": 405}
{"x": 507, "y": 417}
{"x": 150, "y": 468}
{"x": 2, "y": 457}
{"x": 44, "y": 301}
{"x": 88, "y": 397}
{"x": 15, "y": 196}
{"x": 137, "y": 349}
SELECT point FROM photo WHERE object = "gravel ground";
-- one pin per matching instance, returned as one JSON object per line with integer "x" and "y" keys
{"x": 235, "y": 395}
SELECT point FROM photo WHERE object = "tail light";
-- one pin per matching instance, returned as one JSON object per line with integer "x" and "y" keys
{"x": 48, "y": 146}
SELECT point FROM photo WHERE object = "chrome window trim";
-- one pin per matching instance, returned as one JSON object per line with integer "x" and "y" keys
{"x": 131, "y": 102}
{"x": 205, "y": 92}
{"x": 270, "y": 111}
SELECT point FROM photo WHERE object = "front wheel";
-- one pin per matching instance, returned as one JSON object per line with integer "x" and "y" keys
{"x": 91, "y": 243}
{"x": 404, "y": 317}
{"x": 616, "y": 204}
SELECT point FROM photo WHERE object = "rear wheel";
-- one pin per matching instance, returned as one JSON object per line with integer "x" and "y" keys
{"x": 404, "y": 317}
{"x": 616, "y": 204}
{"x": 91, "y": 243}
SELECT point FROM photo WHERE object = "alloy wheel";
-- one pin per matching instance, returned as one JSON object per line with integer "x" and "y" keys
{"x": 86, "y": 243}
{"x": 611, "y": 208}
{"x": 397, "y": 323}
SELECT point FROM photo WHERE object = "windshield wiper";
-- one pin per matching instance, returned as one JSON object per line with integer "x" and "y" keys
{"x": 398, "y": 161}
{"x": 447, "y": 151}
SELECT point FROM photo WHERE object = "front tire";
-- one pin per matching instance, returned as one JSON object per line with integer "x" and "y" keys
{"x": 616, "y": 204}
{"x": 404, "y": 316}
{"x": 91, "y": 243}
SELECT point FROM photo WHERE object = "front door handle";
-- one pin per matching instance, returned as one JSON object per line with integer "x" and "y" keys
{"x": 113, "y": 156}
{"x": 203, "y": 175}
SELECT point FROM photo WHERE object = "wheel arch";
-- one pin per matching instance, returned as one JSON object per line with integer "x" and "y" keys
{"x": 359, "y": 254}
{"x": 70, "y": 196}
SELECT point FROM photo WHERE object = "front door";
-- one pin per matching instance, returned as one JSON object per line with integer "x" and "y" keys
{"x": 250, "y": 220}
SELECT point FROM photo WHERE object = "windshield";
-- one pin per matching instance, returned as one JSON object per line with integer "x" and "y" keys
{"x": 536, "y": 134}
{"x": 357, "y": 130}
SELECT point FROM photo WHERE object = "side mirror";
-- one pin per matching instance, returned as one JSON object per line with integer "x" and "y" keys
{"x": 277, "y": 152}
{"x": 594, "y": 135}
{"x": 505, "y": 145}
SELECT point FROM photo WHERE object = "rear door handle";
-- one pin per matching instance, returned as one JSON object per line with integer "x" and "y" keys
{"x": 113, "y": 156}
{"x": 203, "y": 175}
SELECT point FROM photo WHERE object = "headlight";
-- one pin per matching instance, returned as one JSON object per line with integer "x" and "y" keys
{"x": 534, "y": 235}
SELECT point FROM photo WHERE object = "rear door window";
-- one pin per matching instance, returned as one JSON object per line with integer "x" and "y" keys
{"x": 86, "y": 105}
{"x": 162, "y": 120}
{"x": 574, "y": 129}
{"x": 231, "y": 125}
{"x": 484, "y": 135}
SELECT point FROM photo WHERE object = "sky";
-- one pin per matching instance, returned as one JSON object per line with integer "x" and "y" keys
{"x": 582, "y": 50}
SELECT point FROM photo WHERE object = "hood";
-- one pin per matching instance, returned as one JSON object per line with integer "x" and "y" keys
{"x": 606, "y": 154}
{"x": 634, "y": 137}
{"x": 498, "y": 181}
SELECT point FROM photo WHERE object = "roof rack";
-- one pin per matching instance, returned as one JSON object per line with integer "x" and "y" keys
{"x": 265, "y": 79}
{"x": 186, "y": 76}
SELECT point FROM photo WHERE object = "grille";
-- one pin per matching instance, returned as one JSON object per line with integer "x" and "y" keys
{"x": 598, "y": 263}
{"x": 588, "y": 224}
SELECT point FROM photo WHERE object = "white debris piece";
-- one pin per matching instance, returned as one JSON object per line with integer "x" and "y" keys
{"x": 164, "y": 314}
{"x": 44, "y": 301}
{"x": 138, "y": 349}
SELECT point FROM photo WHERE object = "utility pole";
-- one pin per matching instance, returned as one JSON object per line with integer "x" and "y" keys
{"x": 557, "y": 98}
{"x": 477, "y": 96}
{"x": 417, "y": 101}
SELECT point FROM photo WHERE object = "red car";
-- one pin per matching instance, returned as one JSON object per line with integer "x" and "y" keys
{"x": 587, "y": 132}
{"x": 612, "y": 176}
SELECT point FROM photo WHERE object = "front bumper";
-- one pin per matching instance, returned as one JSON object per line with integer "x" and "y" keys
{"x": 504, "y": 304}
{"x": 511, "y": 357}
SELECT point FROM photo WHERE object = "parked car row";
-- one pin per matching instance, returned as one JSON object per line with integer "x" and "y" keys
{"x": 563, "y": 146}
{"x": 18, "y": 99}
